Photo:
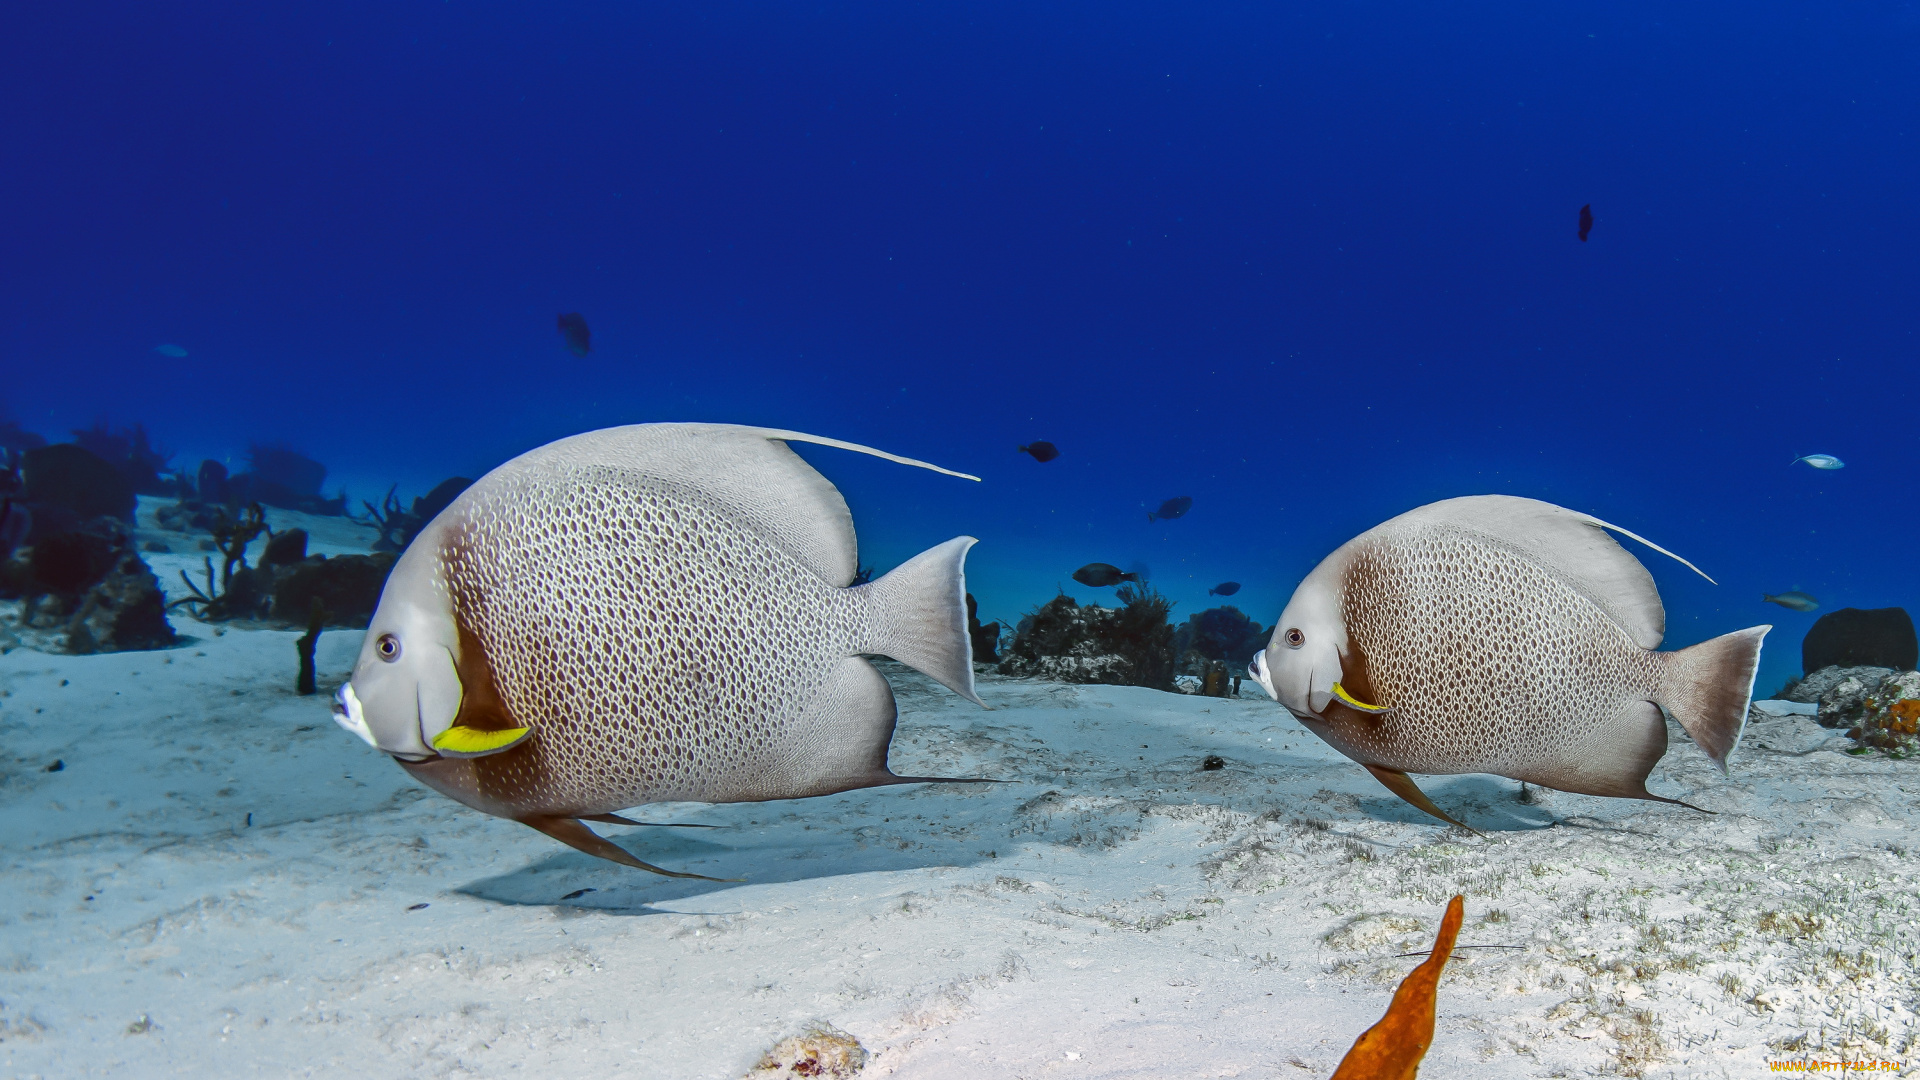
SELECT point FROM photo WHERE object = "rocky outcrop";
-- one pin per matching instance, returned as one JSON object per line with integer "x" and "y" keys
{"x": 1852, "y": 637}
{"x": 1878, "y": 707}
{"x": 1125, "y": 646}
{"x": 91, "y": 588}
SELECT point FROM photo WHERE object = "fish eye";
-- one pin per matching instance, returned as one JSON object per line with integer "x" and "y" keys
{"x": 1295, "y": 638}
{"x": 388, "y": 647}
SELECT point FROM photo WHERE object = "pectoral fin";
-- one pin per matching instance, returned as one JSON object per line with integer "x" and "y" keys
{"x": 1402, "y": 785}
{"x": 570, "y": 832}
{"x": 1340, "y": 694}
{"x": 460, "y": 741}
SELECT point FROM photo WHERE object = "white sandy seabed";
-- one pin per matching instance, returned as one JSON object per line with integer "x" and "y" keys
{"x": 221, "y": 883}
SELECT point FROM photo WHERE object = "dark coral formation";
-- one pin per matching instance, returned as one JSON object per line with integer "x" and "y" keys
{"x": 1127, "y": 646}
{"x": 66, "y": 484}
{"x": 91, "y": 585}
{"x": 399, "y": 524}
{"x": 132, "y": 455}
{"x": 1852, "y": 637}
{"x": 283, "y": 477}
{"x": 1216, "y": 645}
{"x": 288, "y": 585}
{"x": 985, "y": 639}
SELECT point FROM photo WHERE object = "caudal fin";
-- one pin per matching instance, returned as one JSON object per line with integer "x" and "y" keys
{"x": 1707, "y": 688}
{"x": 919, "y": 616}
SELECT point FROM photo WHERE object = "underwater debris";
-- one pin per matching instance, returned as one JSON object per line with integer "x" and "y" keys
{"x": 821, "y": 1052}
{"x": 1856, "y": 637}
{"x": 1172, "y": 508}
{"x": 1392, "y": 1049}
{"x": 1041, "y": 450}
{"x": 573, "y": 329}
{"x": 1127, "y": 646}
{"x": 399, "y": 524}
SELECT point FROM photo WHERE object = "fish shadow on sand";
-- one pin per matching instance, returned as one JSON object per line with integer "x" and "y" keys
{"x": 1488, "y": 803}
{"x": 768, "y": 854}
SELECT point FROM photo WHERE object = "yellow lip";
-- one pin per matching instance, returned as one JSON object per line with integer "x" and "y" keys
{"x": 1350, "y": 701}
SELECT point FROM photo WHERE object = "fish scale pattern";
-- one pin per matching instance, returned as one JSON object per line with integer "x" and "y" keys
{"x": 660, "y": 649}
{"x": 1490, "y": 663}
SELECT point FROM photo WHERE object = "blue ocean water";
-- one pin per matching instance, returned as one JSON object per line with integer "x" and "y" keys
{"x": 1312, "y": 265}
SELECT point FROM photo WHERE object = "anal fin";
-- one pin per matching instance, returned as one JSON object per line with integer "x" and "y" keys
{"x": 616, "y": 819}
{"x": 570, "y": 832}
{"x": 1402, "y": 785}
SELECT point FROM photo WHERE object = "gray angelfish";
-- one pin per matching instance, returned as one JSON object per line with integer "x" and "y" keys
{"x": 643, "y": 614}
{"x": 1493, "y": 634}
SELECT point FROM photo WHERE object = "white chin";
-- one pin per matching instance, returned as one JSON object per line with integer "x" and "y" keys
{"x": 347, "y": 714}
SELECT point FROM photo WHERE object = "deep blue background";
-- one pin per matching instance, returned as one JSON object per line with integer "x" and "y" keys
{"x": 1311, "y": 264}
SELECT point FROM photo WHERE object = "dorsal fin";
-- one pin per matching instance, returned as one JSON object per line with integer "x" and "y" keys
{"x": 748, "y": 469}
{"x": 1573, "y": 546}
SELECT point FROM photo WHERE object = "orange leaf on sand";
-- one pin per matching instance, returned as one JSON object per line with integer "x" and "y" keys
{"x": 1392, "y": 1048}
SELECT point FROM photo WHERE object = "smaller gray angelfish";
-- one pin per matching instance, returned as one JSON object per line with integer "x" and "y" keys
{"x": 1494, "y": 634}
{"x": 1793, "y": 600}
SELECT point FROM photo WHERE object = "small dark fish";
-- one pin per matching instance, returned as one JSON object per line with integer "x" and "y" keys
{"x": 57, "y": 765}
{"x": 1100, "y": 575}
{"x": 1041, "y": 451}
{"x": 1172, "y": 508}
{"x": 578, "y": 893}
{"x": 1586, "y": 221}
{"x": 1795, "y": 601}
{"x": 573, "y": 327}
{"x": 1225, "y": 588}
{"x": 415, "y": 907}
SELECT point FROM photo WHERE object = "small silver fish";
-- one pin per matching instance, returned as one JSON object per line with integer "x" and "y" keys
{"x": 1820, "y": 461}
{"x": 1494, "y": 634}
{"x": 1794, "y": 601}
{"x": 175, "y": 351}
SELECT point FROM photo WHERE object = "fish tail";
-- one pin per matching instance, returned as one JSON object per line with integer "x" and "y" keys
{"x": 919, "y": 616}
{"x": 1707, "y": 688}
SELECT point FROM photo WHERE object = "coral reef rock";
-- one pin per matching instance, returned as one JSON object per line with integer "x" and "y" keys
{"x": 283, "y": 477}
{"x": 1126, "y": 646}
{"x": 69, "y": 477}
{"x": 1879, "y": 708}
{"x": 985, "y": 639}
{"x": 822, "y": 1052}
{"x": 1809, "y": 690}
{"x": 347, "y": 587}
{"x": 1855, "y": 637}
{"x": 91, "y": 586}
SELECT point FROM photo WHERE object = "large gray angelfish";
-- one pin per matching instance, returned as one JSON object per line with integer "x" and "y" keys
{"x": 643, "y": 614}
{"x": 1494, "y": 634}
